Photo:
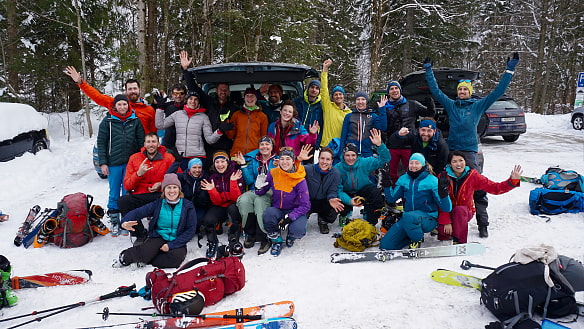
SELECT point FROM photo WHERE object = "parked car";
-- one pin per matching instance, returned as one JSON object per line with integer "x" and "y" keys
{"x": 578, "y": 118}
{"x": 506, "y": 119}
{"x": 22, "y": 129}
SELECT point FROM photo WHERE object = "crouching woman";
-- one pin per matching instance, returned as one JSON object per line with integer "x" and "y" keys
{"x": 173, "y": 225}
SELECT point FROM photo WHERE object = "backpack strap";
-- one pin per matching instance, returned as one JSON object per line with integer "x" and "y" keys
{"x": 192, "y": 263}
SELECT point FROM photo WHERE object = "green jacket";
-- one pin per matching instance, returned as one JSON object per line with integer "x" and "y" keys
{"x": 117, "y": 140}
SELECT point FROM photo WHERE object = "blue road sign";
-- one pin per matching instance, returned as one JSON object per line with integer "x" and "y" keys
{"x": 581, "y": 79}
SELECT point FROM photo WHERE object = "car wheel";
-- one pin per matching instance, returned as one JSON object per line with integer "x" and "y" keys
{"x": 38, "y": 146}
{"x": 510, "y": 138}
{"x": 578, "y": 122}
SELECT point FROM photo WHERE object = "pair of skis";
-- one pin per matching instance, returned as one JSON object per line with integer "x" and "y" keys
{"x": 32, "y": 225}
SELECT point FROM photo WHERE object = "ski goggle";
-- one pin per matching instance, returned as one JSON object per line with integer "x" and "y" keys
{"x": 177, "y": 93}
{"x": 463, "y": 80}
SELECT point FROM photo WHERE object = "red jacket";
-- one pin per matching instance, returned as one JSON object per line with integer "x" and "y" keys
{"x": 467, "y": 185}
{"x": 144, "y": 112}
{"x": 160, "y": 164}
{"x": 226, "y": 198}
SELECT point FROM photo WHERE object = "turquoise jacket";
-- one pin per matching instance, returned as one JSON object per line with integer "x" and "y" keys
{"x": 464, "y": 115}
{"x": 251, "y": 169}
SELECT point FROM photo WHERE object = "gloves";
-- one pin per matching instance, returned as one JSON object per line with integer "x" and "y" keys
{"x": 260, "y": 181}
{"x": 225, "y": 126}
{"x": 511, "y": 63}
{"x": 385, "y": 179}
{"x": 284, "y": 222}
{"x": 428, "y": 63}
{"x": 431, "y": 106}
{"x": 443, "y": 185}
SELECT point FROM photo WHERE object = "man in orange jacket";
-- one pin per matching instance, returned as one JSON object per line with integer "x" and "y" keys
{"x": 145, "y": 112}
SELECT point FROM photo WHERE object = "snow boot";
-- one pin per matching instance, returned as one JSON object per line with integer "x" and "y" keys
{"x": 7, "y": 295}
{"x": 235, "y": 247}
{"x": 276, "y": 245}
{"x": 115, "y": 217}
{"x": 323, "y": 226}
{"x": 290, "y": 241}
{"x": 212, "y": 245}
{"x": 249, "y": 242}
{"x": 483, "y": 232}
{"x": 265, "y": 245}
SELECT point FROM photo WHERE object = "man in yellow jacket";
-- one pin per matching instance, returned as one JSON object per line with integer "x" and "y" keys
{"x": 334, "y": 110}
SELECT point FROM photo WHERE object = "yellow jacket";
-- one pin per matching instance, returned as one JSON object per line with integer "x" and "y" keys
{"x": 332, "y": 116}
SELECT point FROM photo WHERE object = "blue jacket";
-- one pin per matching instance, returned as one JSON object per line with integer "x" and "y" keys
{"x": 322, "y": 186}
{"x": 356, "y": 128}
{"x": 356, "y": 177}
{"x": 187, "y": 224}
{"x": 252, "y": 169}
{"x": 310, "y": 112}
{"x": 419, "y": 194}
{"x": 464, "y": 115}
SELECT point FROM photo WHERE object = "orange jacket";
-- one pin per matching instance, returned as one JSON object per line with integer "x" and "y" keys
{"x": 249, "y": 127}
{"x": 140, "y": 184}
{"x": 145, "y": 112}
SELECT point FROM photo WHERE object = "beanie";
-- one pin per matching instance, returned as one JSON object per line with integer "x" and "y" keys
{"x": 250, "y": 90}
{"x": 287, "y": 151}
{"x": 192, "y": 93}
{"x": 350, "y": 147}
{"x": 362, "y": 94}
{"x": 170, "y": 179}
{"x": 394, "y": 83}
{"x": 418, "y": 157}
{"x": 120, "y": 97}
{"x": 340, "y": 89}
{"x": 428, "y": 123}
{"x": 194, "y": 161}
{"x": 219, "y": 155}
{"x": 467, "y": 84}
{"x": 313, "y": 83}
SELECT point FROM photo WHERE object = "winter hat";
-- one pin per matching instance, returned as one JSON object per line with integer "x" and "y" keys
{"x": 362, "y": 94}
{"x": 393, "y": 83}
{"x": 170, "y": 179}
{"x": 120, "y": 97}
{"x": 428, "y": 123}
{"x": 313, "y": 83}
{"x": 467, "y": 84}
{"x": 338, "y": 88}
{"x": 266, "y": 139}
{"x": 192, "y": 93}
{"x": 219, "y": 155}
{"x": 418, "y": 157}
{"x": 287, "y": 151}
{"x": 350, "y": 147}
{"x": 250, "y": 90}
{"x": 195, "y": 161}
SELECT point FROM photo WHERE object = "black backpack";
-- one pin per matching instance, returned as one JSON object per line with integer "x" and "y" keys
{"x": 515, "y": 291}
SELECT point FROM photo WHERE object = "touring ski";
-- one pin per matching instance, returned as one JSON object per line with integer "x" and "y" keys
{"x": 457, "y": 279}
{"x": 533, "y": 180}
{"x": 39, "y": 224}
{"x": 51, "y": 279}
{"x": 463, "y": 249}
{"x": 272, "y": 323}
{"x": 26, "y": 225}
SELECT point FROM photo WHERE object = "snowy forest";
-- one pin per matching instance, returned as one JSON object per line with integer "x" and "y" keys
{"x": 370, "y": 42}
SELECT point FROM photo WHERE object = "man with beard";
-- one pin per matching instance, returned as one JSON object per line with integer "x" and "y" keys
{"x": 429, "y": 142}
{"x": 309, "y": 107}
{"x": 144, "y": 111}
{"x": 272, "y": 107}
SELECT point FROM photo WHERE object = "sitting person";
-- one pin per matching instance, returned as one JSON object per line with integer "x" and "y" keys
{"x": 173, "y": 225}
{"x": 356, "y": 188}
{"x": 462, "y": 182}
{"x": 192, "y": 189}
{"x": 224, "y": 185}
{"x": 290, "y": 200}
{"x": 289, "y": 131}
{"x": 252, "y": 206}
{"x": 419, "y": 190}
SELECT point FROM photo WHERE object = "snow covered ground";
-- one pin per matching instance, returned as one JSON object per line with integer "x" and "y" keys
{"x": 397, "y": 294}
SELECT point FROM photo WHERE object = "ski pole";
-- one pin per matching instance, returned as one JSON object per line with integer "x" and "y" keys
{"x": 119, "y": 292}
{"x": 106, "y": 313}
{"x": 466, "y": 265}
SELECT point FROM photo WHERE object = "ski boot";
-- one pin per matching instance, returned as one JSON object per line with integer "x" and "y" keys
{"x": 235, "y": 247}
{"x": 249, "y": 241}
{"x": 7, "y": 295}
{"x": 96, "y": 213}
{"x": 211, "y": 249}
{"x": 115, "y": 217}
{"x": 415, "y": 244}
{"x": 323, "y": 226}
{"x": 290, "y": 241}
{"x": 276, "y": 243}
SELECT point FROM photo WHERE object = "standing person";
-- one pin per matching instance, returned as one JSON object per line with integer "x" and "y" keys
{"x": 119, "y": 136}
{"x": 464, "y": 114}
{"x": 288, "y": 131}
{"x": 173, "y": 225}
{"x": 252, "y": 206}
{"x": 309, "y": 107}
{"x": 219, "y": 108}
{"x": 401, "y": 113}
{"x": 274, "y": 104}
{"x": 143, "y": 111}
{"x": 192, "y": 189}
{"x": 357, "y": 124}
{"x": 249, "y": 125}
{"x": 179, "y": 92}
{"x": 192, "y": 125}
{"x": 429, "y": 142}
{"x": 323, "y": 187}
{"x": 462, "y": 181}
{"x": 290, "y": 201}
{"x": 333, "y": 111}
{"x": 356, "y": 188}
{"x": 423, "y": 196}
{"x": 225, "y": 185}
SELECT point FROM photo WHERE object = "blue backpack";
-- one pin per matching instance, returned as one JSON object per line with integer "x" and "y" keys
{"x": 552, "y": 202}
{"x": 556, "y": 178}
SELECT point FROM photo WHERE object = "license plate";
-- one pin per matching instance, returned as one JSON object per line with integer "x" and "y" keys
{"x": 507, "y": 119}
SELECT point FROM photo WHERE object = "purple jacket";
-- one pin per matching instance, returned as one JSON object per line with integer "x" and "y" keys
{"x": 296, "y": 200}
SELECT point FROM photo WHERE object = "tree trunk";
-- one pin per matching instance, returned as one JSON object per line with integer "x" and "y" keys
{"x": 541, "y": 72}
{"x": 141, "y": 38}
{"x": 84, "y": 69}
{"x": 406, "y": 42}
{"x": 163, "y": 46}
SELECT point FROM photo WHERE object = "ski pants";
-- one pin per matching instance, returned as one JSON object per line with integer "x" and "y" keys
{"x": 132, "y": 201}
{"x": 216, "y": 215}
{"x": 374, "y": 201}
{"x": 326, "y": 213}
{"x": 480, "y": 197}
{"x": 273, "y": 215}
{"x": 397, "y": 156}
{"x": 410, "y": 228}
{"x": 249, "y": 202}
{"x": 459, "y": 218}
{"x": 116, "y": 185}
{"x": 149, "y": 252}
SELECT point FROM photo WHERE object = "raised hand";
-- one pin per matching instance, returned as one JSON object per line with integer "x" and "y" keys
{"x": 72, "y": 72}
{"x": 382, "y": 101}
{"x": 516, "y": 172}
{"x": 236, "y": 175}
{"x": 375, "y": 137}
{"x": 239, "y": 158}
{"x": 185, "y": 60}
{"x": 326, "y": 64}
{"x": 207, "y": 185}
{"x": 314, "y": 127}
{"x": 144, "y": 167}
{"x": 261, "y": 181}
{"x": 304, "y": 152}
{"x": 428, "y": 63}
{"x": 511, "y": 63}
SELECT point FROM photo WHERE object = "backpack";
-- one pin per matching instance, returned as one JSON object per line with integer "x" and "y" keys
{"x": 552, "y": 202}
{"x": 517, "y": 290}
{"x": 357, "y": 235}
{"x": 213, "y": 281}
{"x": 73, "y": 228}
{"x": 556, "y": 178}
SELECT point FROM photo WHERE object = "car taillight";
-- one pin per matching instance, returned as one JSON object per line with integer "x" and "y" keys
{"x": 492, "y": 115}
{"x": 521, "y": 114}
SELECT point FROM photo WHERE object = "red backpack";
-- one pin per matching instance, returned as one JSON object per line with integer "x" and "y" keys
{"x": 212, "y": 281}
{"x": 73, "y": 228}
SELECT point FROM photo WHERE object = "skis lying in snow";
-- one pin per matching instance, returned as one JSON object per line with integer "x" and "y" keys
{"x": 463, "y": 249}
{"x": 51, "y": 279}
{"x": 457, "y": 279}
{"x": 272, "y": 323}
{"x": 27, "y": 225}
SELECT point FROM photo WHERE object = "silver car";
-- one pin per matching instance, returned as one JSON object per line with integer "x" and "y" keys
{"x": 578, "y": 118}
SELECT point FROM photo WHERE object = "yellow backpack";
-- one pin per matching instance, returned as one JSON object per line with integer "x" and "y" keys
{"x": 358, "y": 235}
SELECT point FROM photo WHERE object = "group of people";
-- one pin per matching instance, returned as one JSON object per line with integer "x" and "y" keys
{"x": 249, "y": 166}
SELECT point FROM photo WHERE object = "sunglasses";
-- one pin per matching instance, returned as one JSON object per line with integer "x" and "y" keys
{"x": 464, "y": 80}
{"x": 286, "y": 148}
{"x": 176, "y": 93}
